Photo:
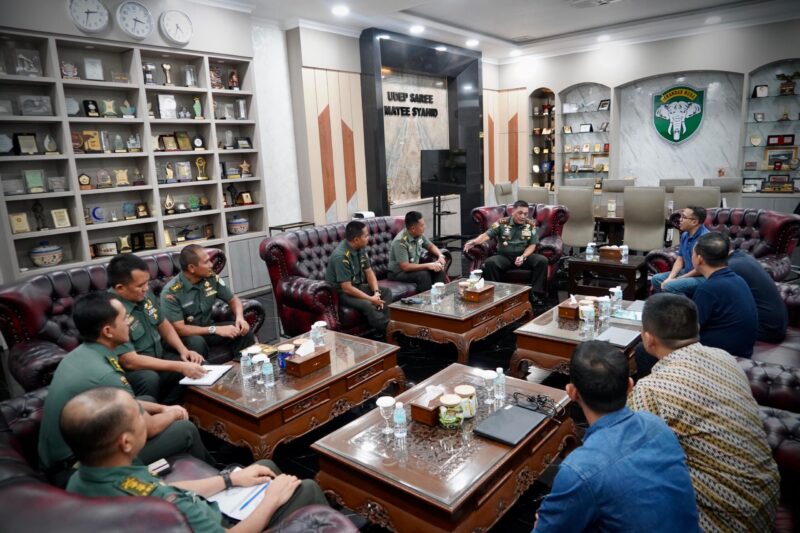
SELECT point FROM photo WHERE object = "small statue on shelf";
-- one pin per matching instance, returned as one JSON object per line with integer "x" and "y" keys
{"x": 233, "y": 80}
{"x": 38, "y": 214}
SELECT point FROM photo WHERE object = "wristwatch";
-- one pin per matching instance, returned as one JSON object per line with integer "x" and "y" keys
{"x": 212, "y": 330}
{"x": 226, "y": 476}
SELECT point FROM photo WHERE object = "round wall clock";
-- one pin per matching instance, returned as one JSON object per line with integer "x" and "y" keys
{"x": 135, "y": 19}
{"x": 176, "y": 27}
{"x": 90, "y": 16}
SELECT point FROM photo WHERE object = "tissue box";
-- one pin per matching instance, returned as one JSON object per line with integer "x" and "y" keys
{"x": 479, "y": 295}
{"x": 607, "y": 252}
{"x": 299, "y": 366}
{"x": 568, "y": 310}
{"x": 425, "y": 408}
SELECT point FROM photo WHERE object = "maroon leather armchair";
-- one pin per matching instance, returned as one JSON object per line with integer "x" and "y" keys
{"x": 36, "y": 314}
{"x": 768, "y": 235}
{"x": 297, "y": 260}
{"x": 550, "y": 220}
{"x": 28, "y": 503}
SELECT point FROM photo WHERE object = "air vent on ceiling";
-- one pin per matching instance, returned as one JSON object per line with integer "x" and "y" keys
{"x": 591, "y": 3}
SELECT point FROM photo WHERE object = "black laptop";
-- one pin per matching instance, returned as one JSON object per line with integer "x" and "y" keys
{"x": 509, "y": 424}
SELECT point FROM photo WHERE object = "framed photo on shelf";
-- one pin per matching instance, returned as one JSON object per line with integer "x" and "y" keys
{"x": 795, "y": 184}
{"x": 91, "y": 141}
{"x": 751, "y": 165}
{"x": 25, "y": 144}
{"x": 604, "y": 105}
{"x": 170, "y": 143}
{"x": 167, "y": 107}
{"x": 35, "y": 105}
{"x": 19, "y": 223}
{"x": 778, "y": 178}
{"x": 779, "y": 156}
{"x": 60, "y": 218}
{"x": 183, "y": 171}
{"x": 752, "y": 184}
{"x": 93, "y": 68}
{"x": 567, "y": 129}
{"x": 780, "y": 140}
{"x": 243, "y": 143}
{"x": 586, "y": 128}
{"x": 34, "y": 181}
{"x": 27, "y": 62}
{"x": 586, "y": 147}
{"x": 184, "y": 142}
{"x": 761, "y": 91}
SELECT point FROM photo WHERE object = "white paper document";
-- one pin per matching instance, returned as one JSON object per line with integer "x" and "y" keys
{"x": 239, "y": 502}
{"x": 213, "y": 373}
{"x": 618, "y": 336}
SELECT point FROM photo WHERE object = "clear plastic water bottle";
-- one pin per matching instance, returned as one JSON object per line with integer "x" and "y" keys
{"x": 399, "y": 421}
{"x": 246, "y": 365}
{"x": 590, "y": 247}
{"x": 500, "y": 385}
{"x": 268, "y": 373}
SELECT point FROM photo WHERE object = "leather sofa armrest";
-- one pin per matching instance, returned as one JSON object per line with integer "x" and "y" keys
{"x": 33, "y": 363}
{"x": 783, "y": 436}
{"x": 551, "y": 247}
{"x": 790, "y": 294}
{"x": 479, "y": 253}
{"x": 314, "y": 519}
{"x": 778, "y": 266}
{"x": 254, "y": 313}
{"x": 661, "y": 259}
{"x": 773, "y": 385}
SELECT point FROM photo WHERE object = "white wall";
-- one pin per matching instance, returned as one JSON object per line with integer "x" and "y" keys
{"x": 330, "y": 51}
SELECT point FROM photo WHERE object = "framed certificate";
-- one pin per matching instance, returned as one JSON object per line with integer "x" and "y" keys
{"x": 19, "y": 223}
{"x": 34, "y": 180}
{"x": 167, "y": 108}
{"x": 93, "y": 68}
{"x": 60, "y": 218}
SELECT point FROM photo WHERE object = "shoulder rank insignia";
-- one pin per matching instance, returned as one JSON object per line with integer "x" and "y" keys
{"x": 207, "y": 284}
{"x": 176, "y": 287}
{"x": 345, "y": 261}
{"x": 136, "y": 487}
{"x": 124, "y": 381}
{"x": 495, "y": 225}
{"x": 115, "y": 364}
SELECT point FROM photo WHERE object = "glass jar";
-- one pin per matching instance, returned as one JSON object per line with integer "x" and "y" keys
{"x": 451, "y": 414}
{"x": 469, "y": 402}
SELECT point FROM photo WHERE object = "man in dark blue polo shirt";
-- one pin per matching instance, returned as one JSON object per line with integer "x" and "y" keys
{"x": 684, "y": 277}
{"x": 726, "y": 309}
{"x": 630, "y": 474}
{"x": 773, "y": 317}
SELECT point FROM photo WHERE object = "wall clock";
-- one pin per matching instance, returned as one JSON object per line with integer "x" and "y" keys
{"x": 90, "y": 16}
{"x": 176, "y": 27}
{"x": 135, "y": 19}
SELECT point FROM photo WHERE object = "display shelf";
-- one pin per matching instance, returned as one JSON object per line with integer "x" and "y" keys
{"x": 176, "y": 153}
{"x": 37, "y": 196}
{"x": 26, "y": 158}
{"x": 167, "y": 121}
{"x": 173, "y": 89}
{"x": 230, "y": 92}
{"x": 242, "y": 208}
{"x": 45, "y": 233}
{"x": 104, "y": 120}
{"x": 240, "y": 180}
{"x": 120, "y": 224}
{"x": 97, "y": 84}
{"x": 583, "y": 96}
{"x": 28, "y": 118}
{"x": 179, "y": 216}
{"x": 27, "y": 80}
{"x": 133, "y": 188}
{"x": 194, "y": 183}
{"x": 223, "y": 151}
{"x": 112, "y": 155}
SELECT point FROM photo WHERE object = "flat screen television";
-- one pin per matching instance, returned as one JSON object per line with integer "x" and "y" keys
{"x": 442, "y": 172}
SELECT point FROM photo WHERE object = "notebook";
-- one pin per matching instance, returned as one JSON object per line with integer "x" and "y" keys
{"x": 618, "y": 336}
{"x": 213, "y": 373}
{"x": 509, "y": 425}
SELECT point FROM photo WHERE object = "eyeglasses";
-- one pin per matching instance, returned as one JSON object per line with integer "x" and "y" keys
{"x": 687, "y": 218}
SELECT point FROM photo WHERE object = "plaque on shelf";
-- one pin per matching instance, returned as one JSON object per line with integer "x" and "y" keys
{"x": 19, "y": 223}
{"x": 149, "y": 239}
{"x": 93, "y": 68}
{"x": 586, "y": 128}
{"x": 57, "y": 184}
{"x": 6, "y": 144}
{"x": 244, "y": 167}
{"x": 69, "y": 70}
{"x": 110, "y": 108}
{"x": 232, "y": 172}
{"x": 169, "y": 173}
{"x": 121, "y": 178}
{"x": 27, "y": 62}
{"x": 604, "y": 105}
{"x": 198, "y": 143}
{"x": 183, "y": 171}
{"x": 142, "y": 211}
{"x": 567, "y": 129}
{"x": 183, "y": 140}
{"x": 105, "y": 142}
{"x": 233, "y": 80}
{"x": 241, "y": 109}
{"x": 13, "y": 186}
{"x": 85, "y": 182}
{"x": 134, "y": 143}
{"x": 170, "y": 144}
{"x": 138, "y": 179}
{"x": 244, "y": 198}
{"x": 205, "y": 205}
{"x": 60, "y": 218}
{"x": 758, "y": 117}
{"x": 127, "y": 110}
{"x": 91, "y": 141}
{"x": 228, "y": 140}
{"x": 208, "y": 231}
{"x": 607, "y": 147}
{"x": 751, "y": 165}
{"x": 603, "y": 126}
{"x": 119, "y": 77}
{"x": 25, "y": 144}
{"x": 167, "y": 107}
{"x": 106, "y": 249}
{"x": 156, "y": 144}
{"x": 184, "y": 113}
{"x": 243, "y": 143}
{"x": 787, "y": 85}
{"x": 72, "y": 106}
{"x": 129, "y": 211}
{"x": 34, "y": 180}
{"x": 119, "y": 145}
{"x": 200, "y": 163}
{"x": 90, "y": 108}
{"x": 104, "y": 179}
{"x": 760, "y": 91}
{"x": 169, "y": 205}
{"x": 50, "y": 146}
{"x": 124, "y": 244}
{"x": 77, "y": 142}
{"x": 98, "y": 214}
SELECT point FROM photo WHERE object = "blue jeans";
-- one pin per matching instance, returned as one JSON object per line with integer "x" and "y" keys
{"x": 684, "y": 286}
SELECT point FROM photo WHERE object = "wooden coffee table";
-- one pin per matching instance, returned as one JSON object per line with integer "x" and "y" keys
{"x": 263, "y": 418}
{"x": 631, "y": 275}
{"x": 457, "y": 321}
{"x": 548, "y": 341}
{"x": 442, "y": 480}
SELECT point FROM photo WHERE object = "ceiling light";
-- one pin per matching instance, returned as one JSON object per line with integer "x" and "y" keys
{"x": 713, "y": 20}
{"x": 340, "y": 10}
{"x": 383, "y": 36}
{"x": 441, "y": 49}
{"x": 416, "y": 29}
{"x": 440, "y": 84}
{"x": 467, "y": 86}
{"x": 515, "y": 53}
{"x": 603, "y": 38}
{"x": 386, "y": 70}
{"x": 472, "y": 43}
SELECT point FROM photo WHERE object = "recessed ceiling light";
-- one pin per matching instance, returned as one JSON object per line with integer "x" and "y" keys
{"x": 383, "y": 36}
{"x": 472, "y": 43}
{"x": 515, "y": 53}
{"x": 340, "y": 10}
{"x": 603, "y": 38}
{"x": 416, "y": 29}
{"x": 441, "y": 49}
{"x": 467, "y": 86}
{"x": 440, "y": 84}
{"x": 713, "y": 20}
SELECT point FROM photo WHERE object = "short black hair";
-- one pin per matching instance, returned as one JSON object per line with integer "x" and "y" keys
{"x": 189, "y": 256}
{"x": 600, "y": 373}
{"x": 91, "y": 433}
{"x": 671, "y": 318}
{"x": 520, "y": 203}
{"x": 354, "y": 229}
{"x": 121, "y": 267}
{"x": 412, "y": 217}
{"x": 91, "y": 313}
{"x": 713, "y": 247}
{"x": 699, "y": 213}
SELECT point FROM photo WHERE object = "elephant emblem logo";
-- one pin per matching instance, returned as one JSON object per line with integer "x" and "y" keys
{"x": 677, "y": 113}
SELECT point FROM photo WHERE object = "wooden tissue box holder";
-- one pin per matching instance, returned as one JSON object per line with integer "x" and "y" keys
{"x": 472, "y": 295}
{"x": 425, "y": 409}
{"x": 568, "y": 310}
{"x": 614, "y": 254}
{"x": 302, "y": 366}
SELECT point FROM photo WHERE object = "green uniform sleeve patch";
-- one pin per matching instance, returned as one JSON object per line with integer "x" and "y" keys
{"x": 115, "y": 364}
{"x": 136, "y": 487}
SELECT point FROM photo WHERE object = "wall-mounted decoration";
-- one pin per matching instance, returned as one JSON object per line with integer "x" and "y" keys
{"x": 678, "y": 113}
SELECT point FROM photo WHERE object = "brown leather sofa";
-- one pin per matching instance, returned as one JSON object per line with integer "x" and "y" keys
{"x": 36, "y": 314}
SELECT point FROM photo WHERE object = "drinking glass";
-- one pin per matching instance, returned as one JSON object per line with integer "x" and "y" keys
{"x": 488, "y": 381}
{"x": 386, "y": 406}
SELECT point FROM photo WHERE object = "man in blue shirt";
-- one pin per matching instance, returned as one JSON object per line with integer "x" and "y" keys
{"x": 630, "y": 474}
{"x": 773, "y": 317}
{"x": 684, "y": 277}
{"x": 726, "y": 309}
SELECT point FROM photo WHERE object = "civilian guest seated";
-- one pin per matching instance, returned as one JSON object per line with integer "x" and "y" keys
{"x": 101, "y": 321}
{"x": 684, "y": 278}
{"x": 630, "y": 473}
{"x": 725, "y": 307}
{"x": 407, "y": 248}
{"x": 154, "y": 344}
{"x": 705, "y": 398}
{"x": 350, "y": 272}
{"x": 107, "y": 430}
{"x": 773, "y": 316}
{"x": 516, "y": 247}
{"x": 189, "y": 297}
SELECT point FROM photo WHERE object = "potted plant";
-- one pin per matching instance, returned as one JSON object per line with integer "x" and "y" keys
{"x": 788, "y": 83}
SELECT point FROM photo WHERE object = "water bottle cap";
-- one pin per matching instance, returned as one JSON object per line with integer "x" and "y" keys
{"x": 499, "y": 370}
{"x": 398, "y": 405}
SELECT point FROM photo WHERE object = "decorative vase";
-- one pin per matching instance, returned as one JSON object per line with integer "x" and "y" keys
{"x": 238, "y": 225}
{"x": 46, "y": 255}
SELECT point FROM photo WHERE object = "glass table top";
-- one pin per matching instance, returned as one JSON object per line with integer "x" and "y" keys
{"x": 347, "y": 352}
{"x": 550, "y": 325}
{"x": 452, "y": 306}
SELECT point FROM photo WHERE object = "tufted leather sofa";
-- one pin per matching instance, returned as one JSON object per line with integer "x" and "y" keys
{"x": 297, "y": 260}
{"x": 550, "y": 220}
{"x": 768, "y": 235}
{"x": 36, "y": 321}
{"x": 783, "y": 436}
{"x": 28, "y": 503}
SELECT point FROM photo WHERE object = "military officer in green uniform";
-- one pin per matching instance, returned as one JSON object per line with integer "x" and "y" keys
{"x": 154, "y": 348}
{"x": 101, "y": 321}
{"x": 350, "y": 272}
{"x": 108, "y": 467}
{"x": 407, "y": 248}
{"x": 187, "y": 301}
{"x": 516, "y": 247}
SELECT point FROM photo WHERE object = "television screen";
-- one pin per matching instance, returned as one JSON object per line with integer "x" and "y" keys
{"x": 442, "y": 172}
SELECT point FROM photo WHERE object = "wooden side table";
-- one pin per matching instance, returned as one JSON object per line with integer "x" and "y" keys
{"x": 633, "y": 273}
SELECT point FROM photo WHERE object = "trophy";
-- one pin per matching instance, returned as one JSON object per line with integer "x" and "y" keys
{"x": 200, "y": 163}
{"x": 169, "y": 205}
{"x": 167, "y": 73}
{"x": 149, "y": 71}
{"x": 121, "y": 177}
{"x": 245, "y": 169}
{"x": 189, "y": 76}
{"x": 197, "y": 108}
{"x": 241, "y": 109}
{"x": 233, "y": 194}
